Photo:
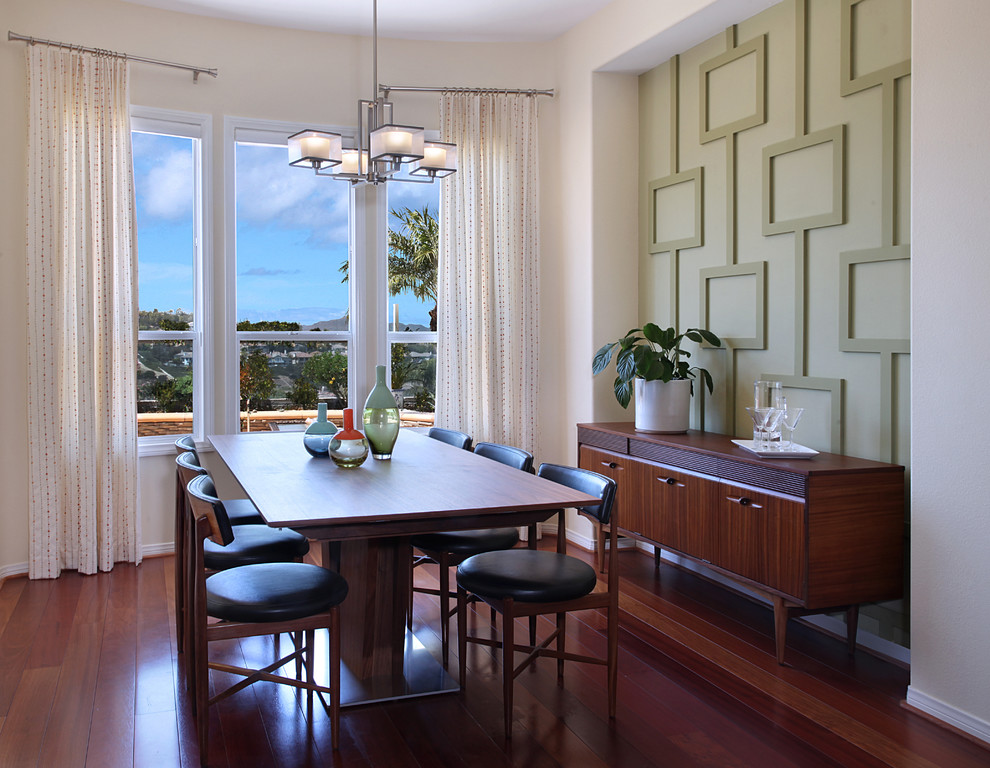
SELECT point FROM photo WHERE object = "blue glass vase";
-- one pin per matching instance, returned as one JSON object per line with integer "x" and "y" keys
{"x": 317, "y": 437}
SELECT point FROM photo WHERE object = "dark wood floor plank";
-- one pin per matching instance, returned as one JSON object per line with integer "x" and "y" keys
{"x": 10, "y": 593}
{"x": 871, "y": 725}
{"x": 19, "y": 635}
{"x": 24, "y": 728}
{"x": 67, "y": 737}
{"x": 52, "y": 637}
{"x": 111, "y": 741}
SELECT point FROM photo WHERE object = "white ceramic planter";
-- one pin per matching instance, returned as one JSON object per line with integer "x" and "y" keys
{"x": 663, "y": 407}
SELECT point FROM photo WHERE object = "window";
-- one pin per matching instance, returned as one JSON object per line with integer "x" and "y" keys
{"x": 170, "y": 151}
{"x": 293, "y": 310}
{"x": 413, "y": 243}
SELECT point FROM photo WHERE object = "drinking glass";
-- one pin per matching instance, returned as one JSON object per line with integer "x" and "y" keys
{"x": 789, "y": 421}
{"x": 766, "y": 421}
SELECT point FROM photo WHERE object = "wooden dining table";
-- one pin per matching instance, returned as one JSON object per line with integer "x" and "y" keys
{"x": 363, "y": 518}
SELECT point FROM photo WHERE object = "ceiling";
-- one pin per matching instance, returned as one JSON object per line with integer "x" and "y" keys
{"x": 450, "y": 20}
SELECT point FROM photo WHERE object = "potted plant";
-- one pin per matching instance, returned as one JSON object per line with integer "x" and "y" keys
{"x": 651, "y": 362}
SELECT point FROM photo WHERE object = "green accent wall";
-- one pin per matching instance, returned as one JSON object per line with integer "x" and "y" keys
{"x": 775, "y": 211}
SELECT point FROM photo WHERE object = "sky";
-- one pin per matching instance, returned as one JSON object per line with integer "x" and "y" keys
{"x": 291, "y": 233}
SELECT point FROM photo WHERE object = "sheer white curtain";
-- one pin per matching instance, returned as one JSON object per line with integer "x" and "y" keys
{"x": 82, "y": 422}
{"x": 488, "y": 323}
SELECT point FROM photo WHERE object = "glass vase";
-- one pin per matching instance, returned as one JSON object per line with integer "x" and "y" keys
{"x": 317, "y": 437}
{"x": 348, "y": 448}
{"x": 381, "y": 417}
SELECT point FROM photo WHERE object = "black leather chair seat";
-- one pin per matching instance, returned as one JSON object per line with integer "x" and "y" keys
{"x": 273, "y": 592}
{"x": 242, "y": 512}
{"x": 254, "y": 543}
{"x": 461, "y": 544}
{"x": 526, "y": 575}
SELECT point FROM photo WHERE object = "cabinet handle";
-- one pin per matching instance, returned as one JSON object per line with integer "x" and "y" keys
{"x": 670, "y": 481}
{"x": 611, "y": 465}
{"x": 744, "y": 501}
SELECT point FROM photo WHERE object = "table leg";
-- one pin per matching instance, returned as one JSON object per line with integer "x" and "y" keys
{"x": 380, "y": 659}
{"x": 373, "y": 617}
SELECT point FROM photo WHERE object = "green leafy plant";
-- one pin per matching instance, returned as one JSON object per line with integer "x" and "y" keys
{"x": 652, "y": 353}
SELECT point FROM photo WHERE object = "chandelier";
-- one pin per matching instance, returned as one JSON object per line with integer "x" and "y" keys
{"x": 383, "y": 147}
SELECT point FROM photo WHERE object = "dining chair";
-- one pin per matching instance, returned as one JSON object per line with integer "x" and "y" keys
{"x": 451, "y": 437}
{"x": 449, "y": 548}
{"x": 256, "y": 542}
{"x": 529, "y": 582}
{"x": 256, "y": 600}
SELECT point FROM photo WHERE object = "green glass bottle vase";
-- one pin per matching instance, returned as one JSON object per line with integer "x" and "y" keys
{"x": 317, "y": 437}
{"x": 381, "y": 417}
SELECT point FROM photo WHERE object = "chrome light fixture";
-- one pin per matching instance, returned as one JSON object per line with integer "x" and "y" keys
{"x": 384, "y": 147}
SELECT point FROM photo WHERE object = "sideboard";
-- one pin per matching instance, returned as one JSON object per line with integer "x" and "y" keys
{"x": 815, "y": 535}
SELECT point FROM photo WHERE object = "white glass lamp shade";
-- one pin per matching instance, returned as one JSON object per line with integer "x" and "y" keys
{"x": 397, "y": 143}
{"x": 439, "y": 160}
{"x": 353, "y": 165}
{"x": 314, "y": 149}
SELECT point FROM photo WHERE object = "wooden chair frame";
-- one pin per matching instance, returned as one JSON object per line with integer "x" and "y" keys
{"x": 199, "y": 528}
{"x": 510, "y": 610}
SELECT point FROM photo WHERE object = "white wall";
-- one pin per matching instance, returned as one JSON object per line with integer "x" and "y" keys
{"x": 950, "y": 517}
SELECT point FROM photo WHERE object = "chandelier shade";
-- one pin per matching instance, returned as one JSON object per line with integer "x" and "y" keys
{"x": 318, "y": 150}
{"x": 439, "y": 160}
{"x": 397, "y": 143}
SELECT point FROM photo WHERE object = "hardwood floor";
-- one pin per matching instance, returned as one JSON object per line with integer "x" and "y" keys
{"x": 88, "y": 677}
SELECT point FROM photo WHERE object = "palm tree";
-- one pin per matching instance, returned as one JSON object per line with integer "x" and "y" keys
{"x": 413, "y": 252}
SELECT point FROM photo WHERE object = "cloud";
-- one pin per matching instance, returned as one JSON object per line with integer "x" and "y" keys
{"x": 270, "y": 193}
{"x": 262, "y": 272}
{"x": 167, "y": 187}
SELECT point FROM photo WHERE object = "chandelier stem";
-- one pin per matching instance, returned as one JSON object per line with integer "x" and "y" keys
{"x": 374, "y": 45}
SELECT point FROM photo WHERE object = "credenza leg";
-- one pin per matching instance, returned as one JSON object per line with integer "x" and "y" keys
{"x": 780, "y": 626}
{"x": 852, "y": 625}
{"x": 656, "y": 557}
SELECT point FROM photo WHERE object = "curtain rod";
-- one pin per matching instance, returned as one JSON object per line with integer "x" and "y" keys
{"x": 424, "y": 89}
{"x": 212, "y": 72}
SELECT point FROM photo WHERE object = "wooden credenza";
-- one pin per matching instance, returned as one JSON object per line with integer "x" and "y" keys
{"x": 812, "y": 535}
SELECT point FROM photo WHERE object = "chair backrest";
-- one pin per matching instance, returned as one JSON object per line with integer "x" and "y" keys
{"x": 506, "y": 454}
{"x": 188, "y": 467}
{"x": 451, "y": 437}
{"x": 186, "y": 444}
{"x": 587, "y": 482}
{"x": 204, "y": 503}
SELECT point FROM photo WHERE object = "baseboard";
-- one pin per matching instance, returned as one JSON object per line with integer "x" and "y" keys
{"x": 949, "y": 715}
{"x": 151, "y": 550}
{"x": 14, "y": 569}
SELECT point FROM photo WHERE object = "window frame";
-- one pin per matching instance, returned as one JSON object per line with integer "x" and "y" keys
{"x": 199, "y": 128}
{"x": 276, "y": 133}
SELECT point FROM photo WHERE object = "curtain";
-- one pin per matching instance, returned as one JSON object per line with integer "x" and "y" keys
{"x": 81, "y": 271}
{"x": 488, "y": 323}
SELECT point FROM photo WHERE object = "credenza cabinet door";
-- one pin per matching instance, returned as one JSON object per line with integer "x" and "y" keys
{"x": 762, "y": 537}
{"x": 630, "y": 509}
{"x": 685, "y": 509}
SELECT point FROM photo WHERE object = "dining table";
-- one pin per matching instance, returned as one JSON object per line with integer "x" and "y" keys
{"x": 363, "y": 519}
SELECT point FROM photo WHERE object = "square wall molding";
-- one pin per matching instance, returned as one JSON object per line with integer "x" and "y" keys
{"x": 734, "y": 90}
{"x": 794, "y": 171}
{"x": 677, "y": 211}
{"x": 735, "y": 297}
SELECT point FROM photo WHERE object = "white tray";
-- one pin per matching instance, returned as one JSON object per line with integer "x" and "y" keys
{"x": 795, "y": 451}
